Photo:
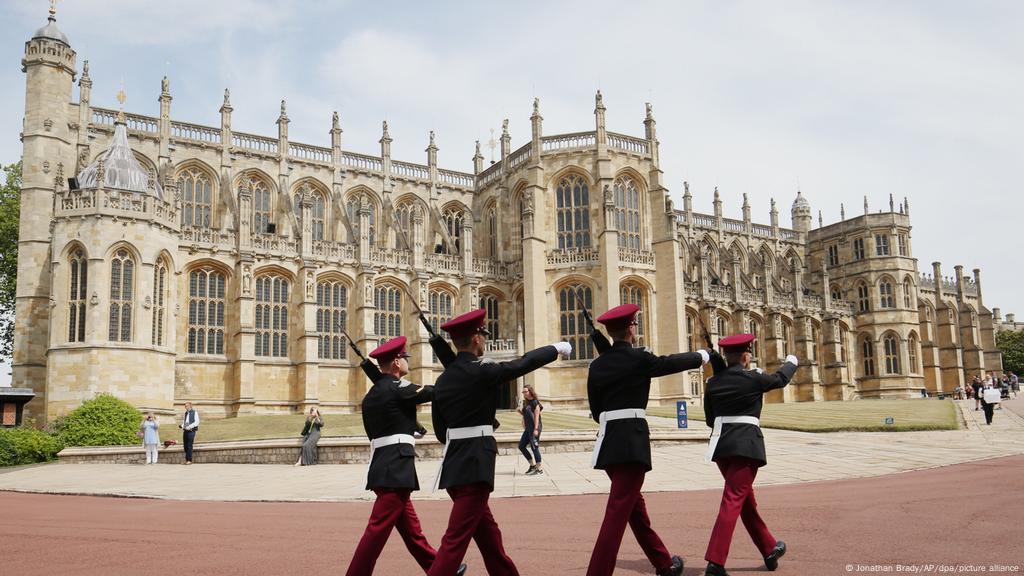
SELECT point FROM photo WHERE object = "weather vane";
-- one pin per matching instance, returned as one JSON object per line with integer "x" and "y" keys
{"x": 121, "y": 97}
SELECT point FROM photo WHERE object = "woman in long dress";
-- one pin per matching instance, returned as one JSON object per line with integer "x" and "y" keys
{"x": 311, "y": 436}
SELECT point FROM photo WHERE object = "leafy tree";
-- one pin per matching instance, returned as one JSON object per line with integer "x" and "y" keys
{"x": 1011, "y": 344}
{"x": 10, "y": 207}
{"x": 103, "y": 421}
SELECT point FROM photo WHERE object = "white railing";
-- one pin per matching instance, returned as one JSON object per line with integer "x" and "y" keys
{"x": 362, "y": 162}
{"x": 391, "y": 258}
{"x": 334, "y": 250}
{"x": 408, "y": 170}
{"x": 578, "y": 256}
{"x": 519, "y": 156}
{"x": 253, "y": 142}
{"x": 568, "y": 141}
{"x": 704, "y": 221}
{"x": 492, "y": 173}
{"x": 443, "y": 263}
{"x": 195, "y": 132}
{"x": 274, "y": 243}
{"x": 76, "y": 203}
{"x": 762, "y": 230}
{"x": 755, "y": 295}
{"x": 207, "y": 236}
{"x": 787, "y": 234}
{"x": 733, "y": 225}
{"x": 132, "y": 121}
{"x": 307, "y": 152}
{"x": 454, "y": 178}
{"x": 628, "y": 143}
{"x": 634, "y": 256}
{"x": 720, "y": 292}
{"x": 101, "y": 116}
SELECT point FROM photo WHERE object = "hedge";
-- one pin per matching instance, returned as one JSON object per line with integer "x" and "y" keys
{"x": 103, "y": 421}
{"x": 24, "y": 445}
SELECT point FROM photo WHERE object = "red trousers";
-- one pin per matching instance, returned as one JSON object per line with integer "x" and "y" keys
{"x": 626, "y": 505}
{"x": 738, "y": 501}
{"x": 471, "y": 519}
{"x": 392, "y": 509}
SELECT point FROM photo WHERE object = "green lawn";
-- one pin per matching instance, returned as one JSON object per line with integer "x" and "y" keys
{"x": 263, "y": 427}
{"x": 858, "y": 415}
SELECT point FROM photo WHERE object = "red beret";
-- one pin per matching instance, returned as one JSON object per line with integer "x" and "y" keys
{"x": 465, "y": 325}
{"x": 736, "y": 342}
{"x": 389, "y": 350}
{"x": 619, "y": 317}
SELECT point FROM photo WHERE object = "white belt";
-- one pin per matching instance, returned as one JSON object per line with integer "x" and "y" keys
{"x": 607, "y": 417}
{"x": 716, "y": 433}
{"x": 460, "y": 434}
{"x": 383, "y": 441}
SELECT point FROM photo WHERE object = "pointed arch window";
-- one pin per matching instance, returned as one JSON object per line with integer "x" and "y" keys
{"x": 572, "y": 327}
{"x": 403, "y": 218}
{"x": 815, "y": 333}
{"x": 206, "y": 297}
{"x": 122, "y": 295}
{"x": 886, "y": 295}
{"x": 441, "y": 303}
{"x": 627, "y": 212}
{"x": 489, "y": 302}
{"x": 635, "y": 294}
{"x": 908, "y": 294}
{"x": 453, "y": 218}
{"x": 272, "y": 316}
{"x": 387, "y": 319}
{"x": 79, "y": 283}
{"x": 196, "y": 191}
{"x": 316, "y": 214}
{"x": 331, "y": 319}
{"x": 352, "y": 207}
{"x": 519, "y": 226}
{"x": 159, "y": 302}
{"x": 863, "y": 298}
{"x": 572, "y": 211}
{"x": 261, "y": 209}
{"x": 755, "y": 329}
{"x": 837, "y": 293}
{"x": 912, "y": 353}
{"x": 722, "y": 325}
{"x": 891, "y": 344}
{"x": 491, "y": 221}
{"x": 787, "y": 339}
{"x": 693, "y": 338}
{"x": 867, "y": 348}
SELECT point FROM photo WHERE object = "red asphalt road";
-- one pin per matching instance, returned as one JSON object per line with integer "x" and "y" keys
{"x": 962, "y": 516}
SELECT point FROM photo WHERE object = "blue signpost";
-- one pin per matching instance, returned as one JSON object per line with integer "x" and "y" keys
{"x": 681, "y": 413}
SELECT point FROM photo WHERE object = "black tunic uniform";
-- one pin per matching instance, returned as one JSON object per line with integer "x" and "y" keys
{"x": 734, "y": 391}
{"x": 620, "y": 378}
{"x": 464, "y": 397}
{"x": 390, "y": 408}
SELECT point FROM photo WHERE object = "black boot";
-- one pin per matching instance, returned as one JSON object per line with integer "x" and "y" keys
{"x": 715, "y": 570}
{"x": 771, "y": 561}
{"x": 461, "y": 571}
{"x": 676, "y": 569}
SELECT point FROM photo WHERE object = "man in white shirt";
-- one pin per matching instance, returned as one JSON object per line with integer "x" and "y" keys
{"x": 189, "y": 424}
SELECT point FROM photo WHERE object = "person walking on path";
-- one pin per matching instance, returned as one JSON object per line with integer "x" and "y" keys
{"x": 465, "y": 403}
{"x": 732, "y": 408}
{"x": 990, "y": 397}
{"x": 389, "y": 418}
{"x": 150, "y": 437}
{"x": 532, "y": 428}
{"x": 189, "y": 426}
{"x": 976, "y": 387}
{"x": 310, "y": 438}
{"x": 618, "y": 387}
{"x": 1014, "y": 383}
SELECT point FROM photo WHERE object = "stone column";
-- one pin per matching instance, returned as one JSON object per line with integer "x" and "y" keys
{"x": 307, "y": 353}
{"x": 243, "y": 349}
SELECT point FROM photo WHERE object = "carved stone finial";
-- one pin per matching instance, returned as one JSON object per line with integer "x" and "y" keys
{"x": 504, "y": 127}
{"x": 650, "y": 113}
{"x": 478, "y": 148}
{"x": 385, "y": 127}
{"x": 85, "y": 69}
{"x": 536, "y": 106}
{"x": 599, "y": 99}
{"x": 165, "y": 86}
{"x": 686, "y": 188}
{"x": 842, "y": 211}
{"x": 227, "y": 97}
{"x": 431, "y": 137}
{"x": 335, "y": 122}
{"x": 716, "y": 194}
{"x": 746, "y": 203}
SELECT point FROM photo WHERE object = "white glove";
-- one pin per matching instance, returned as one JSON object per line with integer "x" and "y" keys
{"x": 564, "y": 349}
{"x": 704, "y": 356}
{"x": 792, "y": 360}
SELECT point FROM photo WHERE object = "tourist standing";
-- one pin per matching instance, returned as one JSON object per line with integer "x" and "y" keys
{"x": 189, "y": 426}
{"x": 1014, "y": 383}
{"x": 310, "y": 438}
{"x": 732, "y": 408}
{"x": 618, "y": 387}
{"x": 976, "y": 387}
{"x": 531, "y": 430}
{"x": 150, "y": 437}
{"x": 465, "y": 403}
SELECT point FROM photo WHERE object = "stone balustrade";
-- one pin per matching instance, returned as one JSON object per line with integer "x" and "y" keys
{"x": 576, "y": 257}
{"x": 117, "y": 203}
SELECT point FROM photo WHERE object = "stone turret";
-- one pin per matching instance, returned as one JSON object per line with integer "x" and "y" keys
{"x": 801, "y": 213}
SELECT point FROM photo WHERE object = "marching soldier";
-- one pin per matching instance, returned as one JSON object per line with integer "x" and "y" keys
{"x": 618, "y": 386}
{"x": 389, "y": 417}
{"x": 732, "y": 407}
{"x": 463, "y": 414}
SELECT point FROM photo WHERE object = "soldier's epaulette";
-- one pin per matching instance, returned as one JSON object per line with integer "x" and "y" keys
{"x": 403, "y": 383}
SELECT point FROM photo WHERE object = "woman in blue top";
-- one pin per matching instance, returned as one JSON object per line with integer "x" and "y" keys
{"x": 532, "y": 427}
{"x": 150, "y": 437}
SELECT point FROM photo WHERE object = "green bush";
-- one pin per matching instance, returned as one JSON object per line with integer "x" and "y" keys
{"x": 102, "y": 421}
{"x": 26, "y": 446}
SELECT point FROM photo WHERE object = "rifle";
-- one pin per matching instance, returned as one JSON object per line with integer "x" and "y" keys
{"x": 600, "y": 340}
{"x": 440, "y": 346}
{"x": 704, "y": 331}
{"x": 369, "y": 368}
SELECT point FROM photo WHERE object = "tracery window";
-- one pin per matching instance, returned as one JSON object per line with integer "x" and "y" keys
{"x": 634, "y": 294}
{"x": 755, "y": 329}
{"x": 892, "y": 354}
{"x": 489, "y": 302}
{"x": 316, "y": 214}
{"x": 441, "y": 303}
{"x": 403, "y": 215}
{"x": 387, "y": 319}
{"x": 572, "y": 327}
{"x": 352, "y": 207}
{"x": 79, "y": 283}
{"x": 206, "y": 311}
{"x": 122, "y": 288}
{"x": 881, "y": 245}
{"x": 196, "y": 198}
{"x": 723, "y": 326}
{"x": 693, "y": 338}
{"x": 868, "y": 355}
{"x": 885, "y": 294}
{"x": 912, "y": 353}
{"x": 787, "y": 339}
{"x": 858, "y": 249}
{"x": 159, "y": 302}
{"x": 331, "y": 319}
{"x": 261, "y": 209}
{"x": 572, "y": 210}
{"x": 272, "y": 316}
{"x": 627, "y": 212}
{"x": 908, "y": 294}
{"x": 863, "y": 298}
{"x": 453, "y": 225}
{"x": 491, "y": 221}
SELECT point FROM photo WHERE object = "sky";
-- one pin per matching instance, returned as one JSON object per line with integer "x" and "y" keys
{"x": 919, "y": 99}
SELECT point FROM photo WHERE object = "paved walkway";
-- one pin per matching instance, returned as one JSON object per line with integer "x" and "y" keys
{"x": 793, "y": 457}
